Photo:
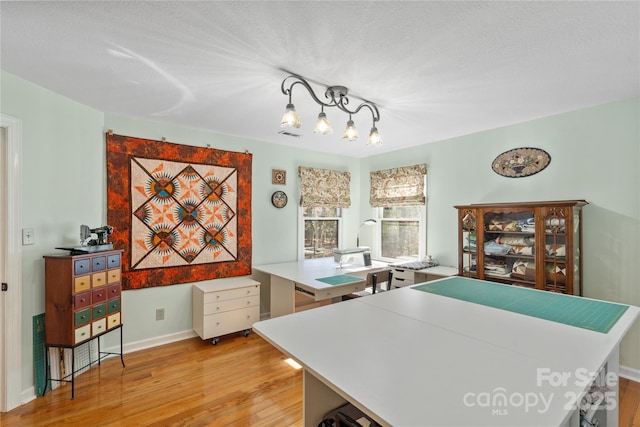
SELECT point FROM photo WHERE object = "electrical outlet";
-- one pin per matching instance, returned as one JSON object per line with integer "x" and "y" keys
{"x": 159, "y": 313}
{"x": 28, "y": 236}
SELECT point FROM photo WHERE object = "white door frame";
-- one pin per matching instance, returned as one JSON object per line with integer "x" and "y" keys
{"x": 11, "y": 301}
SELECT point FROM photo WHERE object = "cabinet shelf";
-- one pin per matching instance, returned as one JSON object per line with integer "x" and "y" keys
{"x": 543, "y": 240}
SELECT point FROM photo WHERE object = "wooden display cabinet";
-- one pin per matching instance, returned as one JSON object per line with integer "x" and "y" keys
{"x": 530, "y": 244}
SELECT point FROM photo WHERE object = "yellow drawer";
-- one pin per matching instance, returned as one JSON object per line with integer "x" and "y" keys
{"x": 98, "y": 327}
{"x": 98, "y": 279}
{"x": 113, "y": 320}
{"x": 83, "y": 333}
{"x": 113, "y": 276}
{"x": 81, "y": 283}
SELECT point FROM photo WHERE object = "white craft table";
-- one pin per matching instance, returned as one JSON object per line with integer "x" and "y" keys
{"x": 302, "y": 277}
{"x": 412, "y": 358}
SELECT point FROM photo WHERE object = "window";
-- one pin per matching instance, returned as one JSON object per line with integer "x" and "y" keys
{"x": 399, "y": 201}
{"x": 321, "y": 231}
{"x": 402, "y": 232}
{"x": 324, "y": 193}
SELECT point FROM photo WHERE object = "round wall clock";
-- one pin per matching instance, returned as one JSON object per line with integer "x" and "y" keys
{"x": 279, "y": 199}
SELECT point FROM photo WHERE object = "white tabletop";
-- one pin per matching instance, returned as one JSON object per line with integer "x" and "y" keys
{"x": 307, "y": 272}
{"x": 411, "y": 358}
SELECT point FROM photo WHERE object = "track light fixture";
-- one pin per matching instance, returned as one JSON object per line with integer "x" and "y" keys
{"x": 336, "y": 96}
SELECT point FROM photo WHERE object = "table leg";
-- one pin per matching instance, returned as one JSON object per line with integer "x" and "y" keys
{"x": 318, "y": 399}
{"x": 282, "y": 296}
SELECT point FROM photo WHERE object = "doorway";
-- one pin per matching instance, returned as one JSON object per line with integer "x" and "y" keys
{"x": 10, "y": 262}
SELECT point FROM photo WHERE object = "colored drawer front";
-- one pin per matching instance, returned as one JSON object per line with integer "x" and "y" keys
{"x": 83, "y": 333}
{"x": 99, "y": 295}
{"x": 113, "y": 261}
{"x": 82, "y": 316}
{"x": 81, "y": 283}
{"x": 113, "y": 320}
{"x": 98, "y": 263}
{"x": 82, "y": 300}
{"x": 98, "y": 327}
{"x": 81, "y": 266}
{"x": 98, "y": 311}
{"x": 114, "y": 291}
{"x": 98, "y": 279}
{"x": 114, "y": 305}
{"x": 113, "y": 276}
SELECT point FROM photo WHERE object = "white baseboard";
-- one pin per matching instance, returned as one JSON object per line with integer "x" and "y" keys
{"x": 154, "y": 342}
{"x": 630, "y": 373}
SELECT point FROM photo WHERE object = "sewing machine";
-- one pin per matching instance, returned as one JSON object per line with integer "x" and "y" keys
{"x": 354, "y": 256}
{"x": 92, "y": 240}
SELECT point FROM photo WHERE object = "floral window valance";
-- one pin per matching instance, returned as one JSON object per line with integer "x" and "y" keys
{"x": 324, "y": 188}
{"x": 402, "y": 186}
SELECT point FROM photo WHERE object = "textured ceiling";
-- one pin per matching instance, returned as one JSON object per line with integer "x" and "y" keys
{"x": 436, "y": 69}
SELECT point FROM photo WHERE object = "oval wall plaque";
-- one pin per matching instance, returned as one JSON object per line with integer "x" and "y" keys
{"x": 521, "y": 162}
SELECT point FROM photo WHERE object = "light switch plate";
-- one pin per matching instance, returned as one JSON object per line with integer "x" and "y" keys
{"x": 28, "y": 236}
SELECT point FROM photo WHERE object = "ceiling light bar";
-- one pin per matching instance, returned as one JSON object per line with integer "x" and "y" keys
{"x": 336, "y": 96}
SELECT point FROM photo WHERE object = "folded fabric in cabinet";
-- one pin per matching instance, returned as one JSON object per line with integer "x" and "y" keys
{"x": 554, "y": 225}
{"x": 524, "y": 269}
{"x": 556, "y": 273}
{"x": 501, "y": 224}
{"x": 470, "y": 242}
{"x": 515, "y": 240}
{"x": 496, "y": 266}
{"x": 558, "y": 251}
{"x": 527, "y": 224}
{"x": 492, "y": 248}
{"x": 521, "y": 250}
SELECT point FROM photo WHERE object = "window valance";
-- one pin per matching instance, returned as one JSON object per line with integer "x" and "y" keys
{"x": 402, "y": 186}
{"x": 324, "y": 188}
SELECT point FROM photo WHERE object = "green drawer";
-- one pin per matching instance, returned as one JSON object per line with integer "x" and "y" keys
{"x": 83, "y": 316}
{"x": 114, "y": 305}
{"x": 98, "y": 311}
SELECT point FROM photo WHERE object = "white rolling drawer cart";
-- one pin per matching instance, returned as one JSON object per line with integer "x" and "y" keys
{"x": 224, "y": 306}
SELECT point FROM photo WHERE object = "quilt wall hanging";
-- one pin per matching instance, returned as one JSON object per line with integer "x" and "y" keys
{"x": 181, "y": 213}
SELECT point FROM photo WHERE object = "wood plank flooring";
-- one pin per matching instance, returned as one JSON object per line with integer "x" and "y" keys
{"x": 239, "y": 382}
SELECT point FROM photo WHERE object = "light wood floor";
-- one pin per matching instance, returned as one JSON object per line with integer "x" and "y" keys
{"x": 239, "y": 382}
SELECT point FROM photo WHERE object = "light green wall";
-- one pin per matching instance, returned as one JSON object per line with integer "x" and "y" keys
{"x": 594, "y": 154}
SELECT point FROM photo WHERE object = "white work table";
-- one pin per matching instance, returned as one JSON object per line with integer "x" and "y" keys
{"x": 302, "y": 276}
{"x": 413, "y": 358}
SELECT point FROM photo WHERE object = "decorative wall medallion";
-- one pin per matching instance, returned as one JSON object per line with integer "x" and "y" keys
{"x": 279, "y": 199}
{"x": 521, "y": 162}
{"x": 278, "y": 176}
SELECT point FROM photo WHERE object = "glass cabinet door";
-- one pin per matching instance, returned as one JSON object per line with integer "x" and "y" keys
{"x": 469, "y": 250}
{"x": 556, "y": 262}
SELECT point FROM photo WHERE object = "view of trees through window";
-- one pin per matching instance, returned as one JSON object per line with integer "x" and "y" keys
{"x": 400, "y": 232}
{"x": 320, "y": 232}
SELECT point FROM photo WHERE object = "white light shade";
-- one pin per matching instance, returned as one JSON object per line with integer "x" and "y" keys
{"x": 290, "y": 117}
{"x": 323, "y": 127}
{"x": 374, "y": 137}
{"x": 350, "y": 133}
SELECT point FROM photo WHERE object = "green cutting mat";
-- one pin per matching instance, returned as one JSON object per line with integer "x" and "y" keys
{"x": 38, "y": 354}
{"x": 596, "y": 316}
{"x": 340, "y": 279}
